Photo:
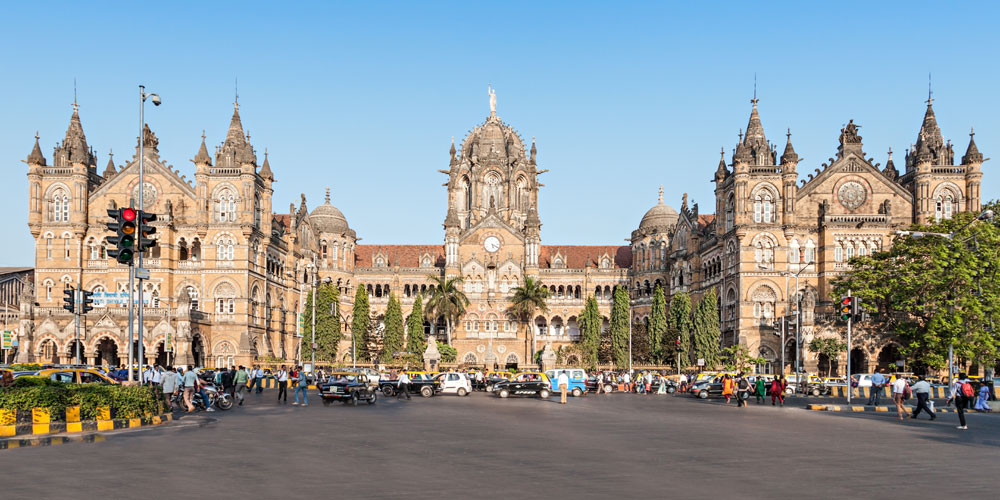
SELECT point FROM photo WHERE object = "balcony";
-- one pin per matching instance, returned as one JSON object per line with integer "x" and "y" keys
{"x": 189, "y": 264}
{"x": 97, "y": 264}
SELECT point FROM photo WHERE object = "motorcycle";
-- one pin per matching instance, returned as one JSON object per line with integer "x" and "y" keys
{"x": 217, "y": 398}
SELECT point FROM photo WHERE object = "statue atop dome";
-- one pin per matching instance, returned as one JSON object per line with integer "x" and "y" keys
{"x": 493, "y": 100}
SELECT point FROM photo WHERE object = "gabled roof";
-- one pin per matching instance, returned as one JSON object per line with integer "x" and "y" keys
{"x": 580, "y": 256}
{"x": 403, "y": 255}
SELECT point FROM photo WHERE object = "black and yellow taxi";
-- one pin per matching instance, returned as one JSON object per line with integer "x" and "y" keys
{"x": 347, "y": 387}
{"x": 524, "y": 384}
{"x": 76, "y": 376}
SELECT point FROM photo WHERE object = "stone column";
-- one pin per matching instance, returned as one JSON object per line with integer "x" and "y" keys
{"x": 548, "y": 357}
{"x": 432, "y": 357}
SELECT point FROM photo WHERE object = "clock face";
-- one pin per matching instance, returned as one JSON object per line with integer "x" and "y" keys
{"x": 491, "y": 244}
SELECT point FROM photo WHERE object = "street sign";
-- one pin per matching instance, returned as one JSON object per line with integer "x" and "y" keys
{"x": 8, "y": 339}
{"x": 701, "y": 361}
{"x": 141, "y": 273}
{"x": 900, "y": 362}
{"x": 168, "y": 343}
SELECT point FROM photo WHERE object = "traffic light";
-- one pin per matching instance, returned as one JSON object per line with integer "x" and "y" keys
{"x": 856, "y": 311}
{"x": 677, "y": 345}
{"x": 145, "y": 231}
{"x": 124, "y": 242}
{"x": 86, "y": 301}
{"x": 69, "y": 299}
{"x": 846, "y": 308}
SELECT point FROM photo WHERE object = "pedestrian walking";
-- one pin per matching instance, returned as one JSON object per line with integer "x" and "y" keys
{"x": 742, "y": 390}
{"x": 961, "y": 393}
{"x": 600, "y": 382}
{"x": 878, "y": 381}
{"x": 759, "y": 390}
{"x": 190, "y": 381}
{"x": 563, "y": 382}
{"x": 778, "y": 390}
{"x": 899, "y": 390}
{"x": 627, "y": 378}
{"x": 282, "y": 378}
{"x": 302, "y": 385}
{"x": 984, "y": 394}
{"x": 683, "y": 379}
{"x": 922, "y": 390}
{"x": 727, "y": 387}
{"x": 403, "y": 385}
{"x": 226, "y": 381}
{"x": 169, "y": 385}
{"x": 240, "y": 383}
{"x": 258, "y": 380}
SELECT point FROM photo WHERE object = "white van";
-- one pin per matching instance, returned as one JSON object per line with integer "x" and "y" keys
{"x": 455, "y": 383}
{"x": 577, "y": 380}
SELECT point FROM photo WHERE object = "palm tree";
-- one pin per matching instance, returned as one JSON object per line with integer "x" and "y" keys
{"x": 445, "y": 299}
{"x": 525, "y": 301}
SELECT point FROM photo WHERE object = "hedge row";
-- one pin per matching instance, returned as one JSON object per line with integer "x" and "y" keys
{"x": 37, "y": 392}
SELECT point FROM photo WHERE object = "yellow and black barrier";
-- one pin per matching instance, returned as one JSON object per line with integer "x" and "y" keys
{"x": 864, "y": 392}
{"x": 39, "y": 422}
{"x": 876, "y": 409}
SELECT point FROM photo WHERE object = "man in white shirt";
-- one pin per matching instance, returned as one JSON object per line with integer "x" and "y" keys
{"x": 170, "y": 382}
{"x": 282, "y": 378}
{"x": 600, "y": 382}
{"x": 403, "y": 386}
{"x": 563, "y": 382}
{"x": 898, "y": 395}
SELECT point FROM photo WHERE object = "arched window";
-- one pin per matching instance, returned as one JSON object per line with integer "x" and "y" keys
{"x": 493, "y": 191}
{"x": 225, "y": 298}
{"x": 768, "y": 208}
{"x": 59, "y": 202}
{"x": 66, "y": 238}
{"x": 466, "y": 194}
{"x": 224, "y": 248}
{"x": 810, "y": 254}
{"x": 850, "y": 250}
{"x": 730, "y": 212}
{"x": 196, "y": 250}
{"x": 522, "y": 194}
{"x": 838, "y": 253}
{"x": 794, "y": 255}
{"x": 256, "y": 210}
{"x": 763, "y": 299}
{"x": 254, "y": 305}
{"x": 194, "y": 295}
{"x": 225, "y": 205}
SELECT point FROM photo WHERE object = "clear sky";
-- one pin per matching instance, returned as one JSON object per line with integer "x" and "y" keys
{"x": 364, "y": 97}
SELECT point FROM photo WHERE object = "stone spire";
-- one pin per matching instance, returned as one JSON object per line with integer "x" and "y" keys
{"x": 755, "y": 130}
{"x": 202, "y": 157}
{"x": 532, "y": 220}
{"x": 74, "y": 147}
{"x": 451, "y": 220}
{"x": 789, "y": 157}
{"x": 972, "y": 154}
{"x": 722, "y": 172}
{"x": 930, "y": 142}
{"x": 534, "y": 151}
{"x": 265, "y": 173}
{"x": 35, "y": 157}
{"x": 890, "y": 170}
{"x": 110, "y": 170}
{"x": 236, "y": 149}
{"x": 451, "y": 152}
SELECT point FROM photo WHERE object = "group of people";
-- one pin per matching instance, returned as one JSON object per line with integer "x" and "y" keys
{"x": 235, "y": 381}
{"x": 742, "y": 387}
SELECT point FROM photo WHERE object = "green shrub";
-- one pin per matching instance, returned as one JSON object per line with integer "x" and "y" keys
{"x": 34, "y": 381}
{"x": 26, "y": 367}
{"x": 125, "y": 402}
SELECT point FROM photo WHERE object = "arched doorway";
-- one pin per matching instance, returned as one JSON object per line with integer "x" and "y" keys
{"x": 107, "y": 353}
{"x": 197, "y": 351}
{"x": 48, "y": 352}
{"x": 771, "y": 362}
{"x": 790, "y": 355}
{"x": 71, "y": 352}
{"x": 859, "y": 361}
{"x": 888, "y": 358}
{"x": 511, "y": 362}
{"x": 161, "y": 354}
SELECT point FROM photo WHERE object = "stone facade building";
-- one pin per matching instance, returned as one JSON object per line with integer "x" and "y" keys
{"x": 230, "y": 276}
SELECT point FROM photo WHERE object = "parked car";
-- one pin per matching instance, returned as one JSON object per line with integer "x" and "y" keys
{"x": 525, "y": 384}
{"x": 455, "y": 383}
{"x": 493, "y": 378}
{"x": 348, "y": 387}
{"x": 706, "y": 389}
{"x": 609, "y": 385}
{"x": 73, "y": 375}
{"x": 577, "y": 380}
{"x": 420, "y": 383}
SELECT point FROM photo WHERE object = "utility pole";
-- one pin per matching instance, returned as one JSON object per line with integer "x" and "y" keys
{"x": 849, "y": 388}
{"x": 630, "y": 340}
{"x": 784, "y": 326}
{"x": 77, "y": 299}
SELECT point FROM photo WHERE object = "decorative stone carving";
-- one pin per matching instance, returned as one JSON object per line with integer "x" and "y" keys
{"x": 852, "y": 195}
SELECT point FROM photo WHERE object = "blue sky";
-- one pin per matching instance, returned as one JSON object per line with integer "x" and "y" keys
{"x": 365, "y": 97}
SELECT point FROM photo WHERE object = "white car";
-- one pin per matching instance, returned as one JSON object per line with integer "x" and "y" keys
{"x": 455, "y": 383}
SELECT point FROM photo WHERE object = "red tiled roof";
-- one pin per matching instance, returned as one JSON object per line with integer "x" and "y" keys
{"x": 283, "y": 219}
{"x": 579, "y": 256}
{"x": 705, "y": 219}
{"x": 404, "y": 255}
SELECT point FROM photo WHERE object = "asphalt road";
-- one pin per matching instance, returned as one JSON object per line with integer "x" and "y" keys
{"x": 616, "y": 446}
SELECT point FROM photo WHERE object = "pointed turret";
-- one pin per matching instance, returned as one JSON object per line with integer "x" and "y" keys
{"x": 74, "y": 147}
{"x": 265, "y": 170}
{"x": 236, "y": 149}
{"x": 36, "y": 157}
{"x": 722, "y": 172}
{"x": 972, "y": 154}
{"x": 532, "y": 220}
{"x": 451, "y": 152}
{"x": 789, "y": 157}
{"x": 755, "y": 130}
{"x": 890, "y": 170}
{"x": 202, "y": 158}
{"x": 110, "y": 170}
{"x": 451, "y": 220}
{"x": 534, "y": 151}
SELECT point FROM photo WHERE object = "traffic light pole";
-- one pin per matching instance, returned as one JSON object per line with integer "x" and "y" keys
{"x": 77, "y": 306}
{"x": 138, "y": 256}
{"x": 784, "y": 325}
{"x": 131, "y": 328}
{"x": 849, "y": 388}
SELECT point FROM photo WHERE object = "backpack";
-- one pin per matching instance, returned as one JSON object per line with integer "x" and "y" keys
{"x": 967, "y": 390}
{"x": 744, "y": 385}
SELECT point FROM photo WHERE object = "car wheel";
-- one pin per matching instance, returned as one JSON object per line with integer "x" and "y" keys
{"x": 387, "y": 391}
{"x": 608, "y": 388}
{"x": 789, "y": 391}
{"x": 462, "y": 391}
{"x": 544, "y": 394}
{"x": 354, "y": 399}
{"x": 326, "y": 402}
{"x": 372, "y": 398}
{"x": 489, "y": 388}
{"x": 815, "y": 392}
{"x": 671, "y": 390}
{"x": 703, "y": 394}
{"x": 577, "y": 392}
{"x": 504, "y": 393}
{"x": 426, "y": 392}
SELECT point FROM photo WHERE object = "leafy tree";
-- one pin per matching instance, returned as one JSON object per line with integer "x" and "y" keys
{"x": 707, "y": 333}
{"x": 328, "y": 333}
{"x": 932, "y": 292}
{"x": 679, "y": 320}
{"x": 526, "y": 300}
{"x": 392, "y": 338}
{"x": 641, "y": 348}
{"x": 446, "y": 299}
{"x": 361, "y": 324}
{"x": 829, "y": 346}
{"x": 415, "y": 342}
{"x": 619, "y": 327}
{"x": 657, "y": 326}
{"x": 590, "y": 332}
{"x": 448, "y": 353}
{"x": 737, "y": 358}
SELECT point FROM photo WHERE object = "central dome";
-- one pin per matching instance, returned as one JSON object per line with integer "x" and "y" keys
{"x": 661, "y": 216}
{"x": 493, "y": 137}
{"x": 326, "y": 218}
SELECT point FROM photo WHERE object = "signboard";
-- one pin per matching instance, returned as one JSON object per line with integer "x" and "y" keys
{"x": 8, "y": 339}
{"x": 701, "y": 361}
{"x": 168, "y": 343}
{"x": 104, "y": 299}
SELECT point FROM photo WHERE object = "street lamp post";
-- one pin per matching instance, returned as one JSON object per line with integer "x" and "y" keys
{"x": 143, "y": 95}
{"x": 798, "y": 323}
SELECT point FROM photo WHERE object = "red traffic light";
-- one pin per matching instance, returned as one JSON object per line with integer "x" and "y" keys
{"x": 846, "y": 301}
{"x": 128, "y": 214}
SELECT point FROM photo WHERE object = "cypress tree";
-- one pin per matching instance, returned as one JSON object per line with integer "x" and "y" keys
{"x": 415, "y": 343}
{"x": 327, "y": 322}
{"x": 707, "y": 334}
{"x": 679, "y": 319}
{"x": 392, "y": 340}
{"x": 619, "y": 327}
{"x": 361, "y": 324}
{"x": 590, "y": 332}
{"x": 657, "y": 326}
